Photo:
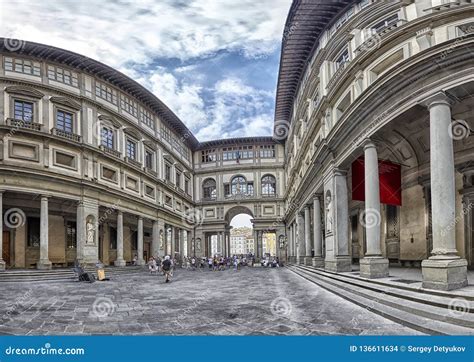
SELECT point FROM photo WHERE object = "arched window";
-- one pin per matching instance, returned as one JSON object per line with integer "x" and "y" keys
{"x": 238, "y": 185}
{"x": 209, "y": 190}
{"x": 268, "y": 185}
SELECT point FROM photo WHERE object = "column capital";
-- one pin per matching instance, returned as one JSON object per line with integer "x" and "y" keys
{"x": 368, "y": 143}
{"x": 440, "y": 98}
{"x": 140, "y": 217}
{"x": 317, "y": 196}
{"x": 47, "y": 196}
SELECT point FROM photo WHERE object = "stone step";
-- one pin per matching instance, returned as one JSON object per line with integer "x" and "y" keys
{"x": 391, "y": 282}
{"x": 60, "y": 274}
{"x": 443, "y": 300}
{"x": 442, "y": 309}
{"x": 425, "y": 318}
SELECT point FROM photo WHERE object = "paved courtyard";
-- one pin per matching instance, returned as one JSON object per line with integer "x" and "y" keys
{"x": 251, "y": 301}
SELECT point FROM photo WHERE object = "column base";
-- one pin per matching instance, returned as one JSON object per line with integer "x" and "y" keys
{"x": 373, "y": 267}
{"x": 318, "y": 262}
{"x": 120, "y": 262}
{"x": 339, "y": 264}
{"x": 444, "y": 274}
{"x": 3, "y": 265}
{"x": 308, "y": 260}
{"x": 141, "y": 262}
{"x": 44, "y": 265}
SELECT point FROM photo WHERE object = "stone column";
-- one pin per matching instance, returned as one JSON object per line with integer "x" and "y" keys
{"x": 172, "y": 246}
{"x": 444, "y": 270}
{"x": 119, "y": 261}
{"x": 155, "y": 239}
{"x": 288, "y": 244}
{"x": 140, "y": 260}
{"x": 337, "y": 258}
{"x": 294, "y": 246}
{"x": 307, "y": 236}
{"x": 301, "y": 248}
{"x": 318, "y": 260}
{"x": 44, "y": 262}
{"x": 2, "y": 262}
{"x": 373, "y": 265}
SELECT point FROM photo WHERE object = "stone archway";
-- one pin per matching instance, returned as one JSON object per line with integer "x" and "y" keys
{"x": 240, "y": 243}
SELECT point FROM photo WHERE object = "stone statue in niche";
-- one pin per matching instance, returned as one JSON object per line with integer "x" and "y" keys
{"x": 161, "y": 239}
{"x": 329, "y": 213}
{"x": 198, "y": 244}
{"x": 90, "y": 230}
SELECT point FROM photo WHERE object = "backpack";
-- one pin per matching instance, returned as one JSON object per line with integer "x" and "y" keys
{"x": 166, "y": 264}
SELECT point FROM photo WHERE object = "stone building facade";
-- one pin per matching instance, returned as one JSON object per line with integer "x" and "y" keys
{"x": 95, "y": 167}
{"x": 385, "y": 80}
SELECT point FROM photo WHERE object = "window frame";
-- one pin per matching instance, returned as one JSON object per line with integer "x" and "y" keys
{"x": 130, "y": 140}
{"x": 23, "y": 100}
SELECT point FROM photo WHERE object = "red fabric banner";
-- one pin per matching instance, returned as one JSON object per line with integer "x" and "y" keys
{"x": 390, "y": 181}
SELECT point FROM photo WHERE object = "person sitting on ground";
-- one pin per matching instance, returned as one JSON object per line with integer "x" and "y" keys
{"x": 152, "y": 265}
{"x": 135, "y": 259}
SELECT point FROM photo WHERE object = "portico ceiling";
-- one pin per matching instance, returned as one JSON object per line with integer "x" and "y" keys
{"x": 306, "y": 21}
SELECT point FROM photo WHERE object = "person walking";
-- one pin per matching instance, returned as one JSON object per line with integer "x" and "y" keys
{"x": 167, "y": 268}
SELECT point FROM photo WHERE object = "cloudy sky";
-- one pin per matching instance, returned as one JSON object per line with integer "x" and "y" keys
{"x": 213, "y": 62}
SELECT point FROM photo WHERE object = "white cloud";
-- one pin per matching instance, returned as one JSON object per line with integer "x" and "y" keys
{"x": 130, "y": 35}
{"x": 115, "y": 32}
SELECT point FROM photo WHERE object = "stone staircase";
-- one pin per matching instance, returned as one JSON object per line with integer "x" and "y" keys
{"x": 60, "y": 275}
{"x": 429, "y": 311}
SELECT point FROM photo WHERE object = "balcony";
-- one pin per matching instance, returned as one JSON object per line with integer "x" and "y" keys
{"x": 19, "y": 123}
{"x": 133, "y": 162}
{"x": 67, "y": 135}
{"x": 110, "y": 151}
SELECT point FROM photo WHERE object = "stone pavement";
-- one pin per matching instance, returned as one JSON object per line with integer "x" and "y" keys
{"x": 253, "y": 301}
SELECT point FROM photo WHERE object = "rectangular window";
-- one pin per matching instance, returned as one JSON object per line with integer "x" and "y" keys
{"x": 250, "y": 188}
{"x": 105, "y": 92}
{"x": 147, "y": 118}
{"x": 131, "y": 149}
{"x": 33, "y": 231}
{"x": 71, "y": 239}
{"x": 178, "y": 179}
{"x": 149, "y": 159}
{"x": 186, "y": 185}
{"x": 22, "y": 66}
{"x": 267, "y": 151}
{"x": 208, "y": 156}
{"x": 62, "y": 75}
{"x": 23, "y": 110}
{"x": 165, "y": 133}
{"x": 167, "y": 172}
{"x": 107, "y": 137}
{"x": 226, "y": 189}
{"x": 64, "y": 121}
{"x": 128, "y": 105}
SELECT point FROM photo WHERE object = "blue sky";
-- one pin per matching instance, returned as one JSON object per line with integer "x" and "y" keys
{"x": 214, "y": 63}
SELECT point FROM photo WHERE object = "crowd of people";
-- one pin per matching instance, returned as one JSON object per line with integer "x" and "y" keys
{"x": 167, "y": 265}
